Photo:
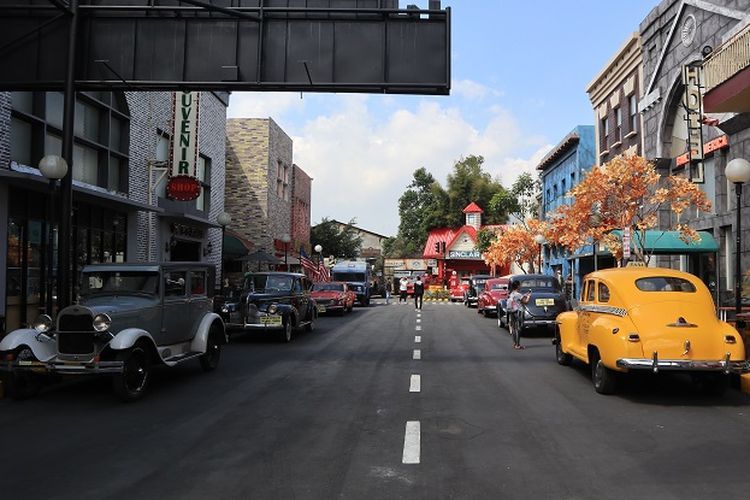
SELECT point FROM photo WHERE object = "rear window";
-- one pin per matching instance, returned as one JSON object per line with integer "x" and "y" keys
{"x": 664, "y": 284}
{"x": 499, "y": 286}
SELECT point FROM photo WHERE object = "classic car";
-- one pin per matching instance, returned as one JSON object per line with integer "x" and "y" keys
{"x": 333, "y": 296}
{"x": 129, "y": 318}
{"x": 458, "y": 292}
{"x": 495, "y": 290}
{"x": 476, "y": 285}
{"x": 546, "y": 302}
{"x": 651, "y": 319}
{"x": 276, "y": 302}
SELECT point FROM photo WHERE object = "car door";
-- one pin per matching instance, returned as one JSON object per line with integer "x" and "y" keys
{"x": 198, "y": 299}
{"x": 176, "y": 321}
{"x": 301, "y": 297}
{"x": 585, "y": 315}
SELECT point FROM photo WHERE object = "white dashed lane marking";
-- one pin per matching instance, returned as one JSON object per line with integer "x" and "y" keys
{"x": 417, "y": 339}
{"x": 418, "y": 328}
{"x": 415, "y": 385}
{"x": 419, "y": 320}
{"x": 417, "y": 354}
{"x": 412, "y": 438}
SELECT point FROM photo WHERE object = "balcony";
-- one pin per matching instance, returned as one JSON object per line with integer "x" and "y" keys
{"x": 727, "y": 76}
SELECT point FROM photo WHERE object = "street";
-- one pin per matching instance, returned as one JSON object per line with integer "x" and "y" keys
{"x": 325, "y": 417}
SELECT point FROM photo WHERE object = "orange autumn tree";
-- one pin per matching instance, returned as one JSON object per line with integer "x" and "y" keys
{"x": 516, "y": 245}
{"x": 627, "y": 192}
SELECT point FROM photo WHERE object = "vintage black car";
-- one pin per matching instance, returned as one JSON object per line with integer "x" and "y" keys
{"x": 274, "y": 302}
{"x": 476, "y": 285}
{"x": 546, "y": 302}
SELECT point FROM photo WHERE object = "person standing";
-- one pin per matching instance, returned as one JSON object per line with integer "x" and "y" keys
{"x": 403, "y": 286}
{"x": 387, "y": 292}
{"x": 418, "y": 292}
{"x": 516, "y": 300}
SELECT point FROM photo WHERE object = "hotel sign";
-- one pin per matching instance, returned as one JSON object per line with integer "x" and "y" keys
{"x": 465, "y": 254}
{"x": 693, "y": 102}
{"x": 183, "y": 184}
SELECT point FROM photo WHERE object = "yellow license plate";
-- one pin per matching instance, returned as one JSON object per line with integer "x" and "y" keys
{"x": 321, "y": 309}
{"x": 545, "y": 302}
{"x": 270, "y": 320}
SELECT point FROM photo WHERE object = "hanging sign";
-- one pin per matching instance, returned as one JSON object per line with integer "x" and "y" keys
{"x": 183, "y": 184}
{"x": 626, "y": 243}
{"x": 693, "y": 102}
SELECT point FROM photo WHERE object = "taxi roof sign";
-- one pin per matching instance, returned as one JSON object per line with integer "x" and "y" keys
{"x": 635, "y": 263}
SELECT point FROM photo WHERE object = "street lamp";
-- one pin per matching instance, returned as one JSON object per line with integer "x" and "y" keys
{"x": 738, "y": 173}
{"x": 53, "y": 168}
{"x": 285, "y": 238}
{"x": 224, "y": 219}
{"x": 539, "y": 238}
{"x": 319, "y": 250}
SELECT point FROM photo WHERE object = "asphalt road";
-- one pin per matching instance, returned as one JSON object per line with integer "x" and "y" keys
{"x": 326, "y": 417}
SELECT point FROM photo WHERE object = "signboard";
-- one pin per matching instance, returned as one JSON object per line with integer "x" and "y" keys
{"x": 626, "y": 243}
{"x": 183, "y": 159}
{"x": 465, "y": 254}
{"x": 693, "y": 102}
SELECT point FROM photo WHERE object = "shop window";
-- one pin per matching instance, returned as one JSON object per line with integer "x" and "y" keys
{"x": 85, "y": 164}
{"x": 20, "y": 141}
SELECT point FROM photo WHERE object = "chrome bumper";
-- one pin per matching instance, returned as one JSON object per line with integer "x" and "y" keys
{"x": 64, "y": 368}
{"x": 708, "y": 365}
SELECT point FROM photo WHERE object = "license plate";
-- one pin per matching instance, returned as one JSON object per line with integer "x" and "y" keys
{"x": 321, "y": 308}
{"x": 270, "y": 320}
{"x": 545, "y": 302}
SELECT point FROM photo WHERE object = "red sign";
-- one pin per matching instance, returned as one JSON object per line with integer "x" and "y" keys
{"x": 183, "y": 188}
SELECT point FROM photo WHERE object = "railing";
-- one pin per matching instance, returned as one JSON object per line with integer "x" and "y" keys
{"x": 729, "y": 59}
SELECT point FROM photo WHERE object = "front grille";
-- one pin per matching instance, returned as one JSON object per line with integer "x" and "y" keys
{"x": 76, "y": 323}
{"x": 75, "y": 343}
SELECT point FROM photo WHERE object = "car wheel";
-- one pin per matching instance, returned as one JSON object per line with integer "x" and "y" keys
{"x": 603, "y": 378}
{"x": 286, "y": 333}
{"x": 23, "y": 385}
{"x": 563, "y": 358}
{"x": 131, "y": 383}
{"x": 210, "y": 360}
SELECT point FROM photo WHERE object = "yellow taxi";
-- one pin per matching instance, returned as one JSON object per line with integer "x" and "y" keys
{"x": 641, "y": 318}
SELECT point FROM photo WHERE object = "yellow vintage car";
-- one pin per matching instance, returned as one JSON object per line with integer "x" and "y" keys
{"x": 641, "y": 318}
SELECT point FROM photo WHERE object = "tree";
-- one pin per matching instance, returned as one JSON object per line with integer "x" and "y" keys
{"x": 469, "y": 182}
{"x": 485, "y": 238}
{"x": 420, "y": 210}
{"x": 516, "y": 244}
{"x": 337, "y": 240}
{"x": 625, "y": 193}
{"x": 521, "y": 201}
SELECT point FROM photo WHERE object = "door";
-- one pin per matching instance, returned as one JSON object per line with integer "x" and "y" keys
{"x": 585, "y": 316}
{"x": 176, "y": 320}
{"x": 199, "y": 301}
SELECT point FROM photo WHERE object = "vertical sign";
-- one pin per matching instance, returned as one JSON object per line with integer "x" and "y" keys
{"x": 183, "y": 184}
{"x": 626, "y": 243}
{"x": 691, "y": 78}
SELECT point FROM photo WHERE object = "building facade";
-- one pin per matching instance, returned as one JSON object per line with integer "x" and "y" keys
{"x": 120, "y": 210}
{"x": 614, "y": 94}
{"x": 301, "y": 203}
{"x": 673, "y": 35}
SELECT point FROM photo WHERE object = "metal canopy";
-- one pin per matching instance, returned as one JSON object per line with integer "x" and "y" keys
{"x": 256, "y": 45}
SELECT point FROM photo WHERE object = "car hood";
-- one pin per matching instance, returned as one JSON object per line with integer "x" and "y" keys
{"x": 117, "y": 304}
{"x": 669, "y": 326}
{"x": 326, "y": 295}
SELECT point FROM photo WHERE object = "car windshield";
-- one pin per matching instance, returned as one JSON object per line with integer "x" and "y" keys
{"x": 269, "y": 283}
{"x": 539, "y": 283}
{"x": 328, "y": 287}
{"x": 664, "y": 284}
{"x": 120, "y": 283}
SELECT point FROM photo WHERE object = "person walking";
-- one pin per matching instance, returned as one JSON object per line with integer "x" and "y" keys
{"x": 418, "y": 292}
{"x": 387, "y": 292}
{"x": 516, "y": 300}
{"x": 403, "y": 286}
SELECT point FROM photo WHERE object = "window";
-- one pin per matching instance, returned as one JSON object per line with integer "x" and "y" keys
{"x": 633, "y": 104}
{"x": 664, "y": 284}
{"x": 563, "y": 188}
{"x": 590, "y": 289}
{"x": 618, "y": 121}
{"x": 162, "y": 155}
{"x": 604, "y": 131}
{"x": 174, "y": 284}
{"x": 603, "y": 293}
{"x": 197, "y": 282}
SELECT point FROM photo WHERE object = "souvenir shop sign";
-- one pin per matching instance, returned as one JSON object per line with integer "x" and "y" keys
{"x": 183, "y": 184}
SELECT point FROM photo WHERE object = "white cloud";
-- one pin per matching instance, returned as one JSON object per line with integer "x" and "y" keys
{"x": 264, "y": 104}
{"x": 472, "y": 90}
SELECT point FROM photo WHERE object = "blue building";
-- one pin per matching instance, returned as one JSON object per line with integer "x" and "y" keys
{"x": 561, "y": 170}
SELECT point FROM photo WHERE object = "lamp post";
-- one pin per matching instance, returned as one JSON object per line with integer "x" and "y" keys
{"x": 738, "y": 173}
{"x": 52, "y": 168}
{"x": 319, "y": 250}
{"x": 539, "y": 238}
{"x": 285, "y": 238}
{"x": 224, "y": 219}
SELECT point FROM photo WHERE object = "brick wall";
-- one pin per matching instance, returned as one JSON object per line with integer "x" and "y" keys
{"x": 301, "y": 196}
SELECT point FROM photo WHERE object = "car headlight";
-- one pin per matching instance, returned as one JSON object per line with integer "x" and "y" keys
{"x": 225, "y": 308}
{"x": 102, "y": 322}
{"x": 43, "y": 323}
{"x": 272, "y": 309}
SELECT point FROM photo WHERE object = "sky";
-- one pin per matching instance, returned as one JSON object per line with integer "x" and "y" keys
{"x": 519, "y": 77}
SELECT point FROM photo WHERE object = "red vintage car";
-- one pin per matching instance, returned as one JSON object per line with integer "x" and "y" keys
{"x": 459, "y": 289}
{"x": 495, "y": 289}
{"x": 333, "y": 296}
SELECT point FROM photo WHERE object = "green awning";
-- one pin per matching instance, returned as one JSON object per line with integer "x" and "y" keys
{"x": 669, "y": 242}
{"x": 235, "y": 246}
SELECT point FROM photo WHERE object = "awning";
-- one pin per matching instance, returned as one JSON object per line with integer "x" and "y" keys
{"x": 669, "y": 242}
{"x": 235, "y": 246}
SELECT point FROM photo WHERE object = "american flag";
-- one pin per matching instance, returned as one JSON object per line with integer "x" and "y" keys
{"x": 308, "y": 265}
{"x": 323, "y": 272}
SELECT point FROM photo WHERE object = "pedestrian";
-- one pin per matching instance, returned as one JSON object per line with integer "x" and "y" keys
{"x": 418, "y": 292}
{"x": 387, "y": 292}
{"x": 403, "y": 286}
{"x": 516, "y": 301}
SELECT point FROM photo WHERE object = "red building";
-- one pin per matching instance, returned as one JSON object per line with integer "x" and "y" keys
{"x": 455, "y": 249}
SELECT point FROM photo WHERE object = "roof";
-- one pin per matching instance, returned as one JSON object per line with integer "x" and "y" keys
{"x": 438, "y": 235}
{"x": 463, "y": 229}
{"x": 627, "y": 275}
{"x": 568, "y": 142}
{"x": 473, "y": 208}
{"x": 669, "y": 242}
{"x": 356, "y": 228}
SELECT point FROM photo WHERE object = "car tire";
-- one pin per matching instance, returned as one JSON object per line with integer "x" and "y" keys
{"x": 210, "y": 360}
{"x": 603, "y": 378}
{"x": 23, "y": 385}
{"x": 131, "y": 384}
{"x": 563, "y": 358}
{"x": 286, "y": 332}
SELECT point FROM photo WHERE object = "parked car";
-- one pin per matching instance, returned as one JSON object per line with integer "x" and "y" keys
{"x": 458, "y": 292}
{"x": 333, "y": 296}
{"x": 476, "y": 285}
{"x": 129, "y": 318}
{"x": 648, "y": 319}
{"x": 357, "y": 275}
{"x": 495, "y": 290}
{"x": 546, "y": 302}
{"x": 274, "y": 302}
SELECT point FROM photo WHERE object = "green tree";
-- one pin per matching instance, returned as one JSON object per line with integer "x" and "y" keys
{"x": 521, "y": 202}
{"x": 420, "y": 209}
{"x": 341, "y": 241}
{"x": 485, "y": 237}
{"x": 469, "y": 182}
